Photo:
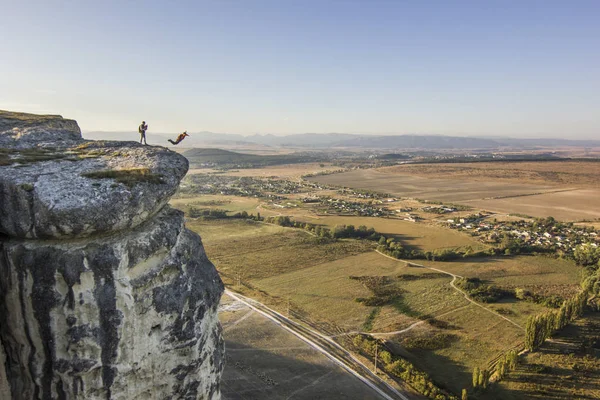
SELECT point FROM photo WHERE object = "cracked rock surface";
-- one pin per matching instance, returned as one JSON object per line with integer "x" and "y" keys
{"x": 54, "y": 184}
{"x": 104, "y": 294}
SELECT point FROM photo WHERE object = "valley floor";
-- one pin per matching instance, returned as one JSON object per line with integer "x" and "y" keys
{"x": 266, "y": 361}
{"x": 415, "y": 308}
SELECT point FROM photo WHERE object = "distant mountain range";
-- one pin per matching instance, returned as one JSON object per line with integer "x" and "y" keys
{"x": 350, "y": 141}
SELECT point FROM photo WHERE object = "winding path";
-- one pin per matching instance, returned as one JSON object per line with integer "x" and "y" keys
{"x": 454, "y": 277}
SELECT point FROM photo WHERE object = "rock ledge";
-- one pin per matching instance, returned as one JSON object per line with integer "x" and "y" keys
{"x": 104, "y": 294}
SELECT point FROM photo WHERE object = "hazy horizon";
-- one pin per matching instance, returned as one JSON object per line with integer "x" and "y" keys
{"x": 491, "y": 137}
{"x": 466, "y": 68}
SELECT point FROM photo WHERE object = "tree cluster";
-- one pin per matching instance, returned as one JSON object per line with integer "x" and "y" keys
{"x": 506, "y": 363}
{"x": 338, "y": 232}
{"x": 541, "y": 327}
{"x": 401, "y": 368}
{"x": 214, "y": 213}
{"x": 349, "y": 231}
{"x": 586, "y": 255}
{"x": 479, "y": 291}
{"x": 395, "y": 249}
{"x": 481, "y": 378}
{"x": 551, "y": 301}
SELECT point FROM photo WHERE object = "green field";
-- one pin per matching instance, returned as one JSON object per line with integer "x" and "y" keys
{"x": 214, "y": 232}
{"x": 326, "y": 292}
{"x": 232, "y": 204}
{"x": 542, "y": 275}
{"x": 421, "y": 236}
{"x": 263, "y": 250}
{"x": 475, "y": 337}
{"x": 424, "y": 318}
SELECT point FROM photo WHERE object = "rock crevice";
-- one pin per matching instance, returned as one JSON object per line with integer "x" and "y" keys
{"x": 104, "y": 294}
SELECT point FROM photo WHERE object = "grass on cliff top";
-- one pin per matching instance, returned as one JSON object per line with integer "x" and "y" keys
{"x": 10, "y": 156}
{"x": 5, "y": 157}
{"x": 128, "y": 177}
{"x": 26, "y": 119}
{"x": 31, "y": 155}
{"x": 26, "y": 116}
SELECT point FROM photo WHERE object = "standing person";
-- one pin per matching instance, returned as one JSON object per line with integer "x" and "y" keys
{"x": 179, "y": 138}
{"x": 142, "y": 130}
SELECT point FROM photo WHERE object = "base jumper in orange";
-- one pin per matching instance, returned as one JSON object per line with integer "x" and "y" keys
{"x": 179, "y": 138}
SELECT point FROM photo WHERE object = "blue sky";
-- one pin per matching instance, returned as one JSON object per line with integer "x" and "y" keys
{"x": 517, "y": 68}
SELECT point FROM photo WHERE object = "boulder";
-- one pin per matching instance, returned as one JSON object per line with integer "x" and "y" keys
{"x": 22, "y": 130}
{"x": 83, "y": 189}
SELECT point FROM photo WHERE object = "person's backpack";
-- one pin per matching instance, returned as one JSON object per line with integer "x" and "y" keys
{"x": 140, "y": 129}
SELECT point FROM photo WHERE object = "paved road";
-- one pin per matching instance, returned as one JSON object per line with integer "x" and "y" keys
{"x": 328, "y": 347}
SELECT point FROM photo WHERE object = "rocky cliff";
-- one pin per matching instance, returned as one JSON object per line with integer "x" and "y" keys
{"x": 104, "y": 294}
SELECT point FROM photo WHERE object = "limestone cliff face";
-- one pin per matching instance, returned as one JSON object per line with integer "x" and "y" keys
{"x": 103, "y": 292}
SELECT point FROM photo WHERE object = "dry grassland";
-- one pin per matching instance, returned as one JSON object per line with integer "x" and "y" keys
{"x": 288, "y": 171}
{"x": 290, "y": 266}
{"x": 569, "y": 205}
{"x": 564, "y": 190}
{"x": 214, "y": 232}
{"x": 439, "y": 187}
{"x": 326, "y": 293}
{"x": 564, "y": 173}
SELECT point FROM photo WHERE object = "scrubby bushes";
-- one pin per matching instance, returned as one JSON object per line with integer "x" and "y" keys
{"x": 427, "y": 275}
{"x": 126, "y": 176}
{"x": 480, "y": 291}
{"x": 436, "y": 341}
{"x": 401, "y": 368}
{"x": 552, "y": 301}
{"x": 384, "y": 291}
{"x": 586, "y": 255}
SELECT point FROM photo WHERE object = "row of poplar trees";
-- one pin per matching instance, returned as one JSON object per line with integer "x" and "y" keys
{"x": 506, "y": 363}
{"x": 541, "y": 327}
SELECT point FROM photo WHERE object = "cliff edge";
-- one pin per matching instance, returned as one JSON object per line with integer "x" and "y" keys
{"x": 104, "y": 294}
